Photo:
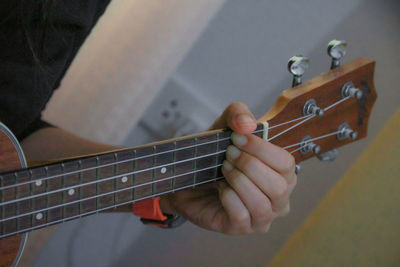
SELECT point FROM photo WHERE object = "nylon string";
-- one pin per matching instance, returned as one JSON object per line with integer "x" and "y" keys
{"x": 152, "y": 182}
{"x": 305, "y": 118}
{"x": 131, "y": 187}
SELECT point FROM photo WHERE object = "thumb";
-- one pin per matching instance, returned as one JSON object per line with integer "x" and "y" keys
{"x": 238, "y": 117}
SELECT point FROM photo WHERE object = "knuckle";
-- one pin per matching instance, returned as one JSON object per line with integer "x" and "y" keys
{"x": 263, "y": 214}
{"x": 280, "y": 190}
{"x": 233, "y": 178}
{"x": 242, "y": 219}
{"x": 266, "y": 228}
{"x": 285, "y": 211}
{"x": 242, "y": 222}
{"x": 233, "y": 106}
{"x": 289, "y": 164}
{"x": 244, "y": 161}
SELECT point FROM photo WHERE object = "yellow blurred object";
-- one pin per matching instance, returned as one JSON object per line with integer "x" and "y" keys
{"x": 358, "y": 222}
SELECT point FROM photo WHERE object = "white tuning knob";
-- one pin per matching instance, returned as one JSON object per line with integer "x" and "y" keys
{"x": 297, "y": 65}
{"x": 336, "y": 50}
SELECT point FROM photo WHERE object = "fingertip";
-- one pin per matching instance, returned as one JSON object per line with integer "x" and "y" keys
{"x": 244, "y": 124}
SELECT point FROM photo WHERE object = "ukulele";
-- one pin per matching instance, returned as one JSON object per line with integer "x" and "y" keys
{"x": 310, "y": 119}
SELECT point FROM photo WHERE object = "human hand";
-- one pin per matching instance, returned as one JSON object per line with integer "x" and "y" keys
{"x": 259, "y": 178}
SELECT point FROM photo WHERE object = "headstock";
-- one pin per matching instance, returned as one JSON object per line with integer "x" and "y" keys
{"x": 331, "y": 110}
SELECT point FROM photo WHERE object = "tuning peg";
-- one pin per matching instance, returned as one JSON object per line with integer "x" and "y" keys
{"x": 309, "y": 146}
{"x": 311, "y": 108}
{"x": 328, "y": 156}
{"x": 297, "y": 65}
{"x": 349, "y": 89}
{"x": 297, "y": 169}
{"x": 346, "y": 132}
{"x": 336, "y": 50}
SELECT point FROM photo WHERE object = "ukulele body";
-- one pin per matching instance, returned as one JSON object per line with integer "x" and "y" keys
{"x": 11, "y": 157}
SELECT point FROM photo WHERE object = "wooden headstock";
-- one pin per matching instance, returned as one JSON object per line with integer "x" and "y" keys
{"x": 326, "y": 90}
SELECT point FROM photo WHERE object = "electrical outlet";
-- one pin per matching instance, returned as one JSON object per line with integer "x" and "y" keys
{"x": 177, "y": 111}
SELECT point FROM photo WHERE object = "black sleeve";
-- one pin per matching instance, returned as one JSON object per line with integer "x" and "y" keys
{"x": 35, "y": 54}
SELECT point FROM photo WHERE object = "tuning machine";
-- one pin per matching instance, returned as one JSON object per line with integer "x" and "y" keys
{"x": 297, "y": 65}
{"x": 328, "y": 156}
{"x": 297, "y": 169}
{"x": 346, "y": 132}
{"x": 311, "y": 108}
{"x": 308, "y": 146}
{"x": 336, "y": 50}
{"x": 349, "y": 90}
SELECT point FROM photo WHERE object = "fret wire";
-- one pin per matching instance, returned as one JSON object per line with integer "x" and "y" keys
{"x": 134, "y": 164}
{"x": 3, "y": 215}
{"x": 103, "y": 209}
{"x": 195, "y": 161}
{"x": 153, "y": 170}
{"x": 46, "y": 170}
{"x": 217, "y": 157}
{"x": 311, "y": 116}
{"x": 30, "y": 193}
{"x": 115, "y": 180}
{"x": 16, "y": 196}
{"x": 108, "y": 193}
{"x": 80, "y": 178}
{"x": 96, "y": 179}
{"x": 63, "y": 186}
{"x": 32, "y": 199}
{"x": 173, "y": 182}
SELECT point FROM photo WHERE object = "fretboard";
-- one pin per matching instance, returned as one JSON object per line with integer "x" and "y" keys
{"x": 33, "y": 198}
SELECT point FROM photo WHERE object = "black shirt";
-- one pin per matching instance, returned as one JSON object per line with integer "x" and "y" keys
{"x": 38, "y": 41}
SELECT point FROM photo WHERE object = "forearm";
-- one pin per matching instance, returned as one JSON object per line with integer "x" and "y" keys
{"x": 49, "y": 144}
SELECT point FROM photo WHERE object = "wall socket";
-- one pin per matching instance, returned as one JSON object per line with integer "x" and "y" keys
{"x": 177, "y": 111}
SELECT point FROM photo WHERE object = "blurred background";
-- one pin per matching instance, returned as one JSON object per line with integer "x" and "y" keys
{"x": 156, "y": 69}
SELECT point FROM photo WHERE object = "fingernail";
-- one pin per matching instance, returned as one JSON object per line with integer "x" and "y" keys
{"x": 245, "y": 120}
{"x": 238, "y": 140}
{"x": 232, "y": 153}
{"x": 227, "y": 166}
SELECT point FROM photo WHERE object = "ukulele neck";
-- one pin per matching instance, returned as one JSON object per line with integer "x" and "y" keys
{"x": 36, "y": 197}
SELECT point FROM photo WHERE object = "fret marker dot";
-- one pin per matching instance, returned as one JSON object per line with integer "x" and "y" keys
{"x": 71, "y": 191}
{"x": 39, "y": 216}
{"x": 163, "y": 170}
{"x": 124, "y": 179}
{"x": 38, "y": 182}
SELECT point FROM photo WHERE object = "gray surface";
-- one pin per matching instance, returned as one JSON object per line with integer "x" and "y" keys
{"x": 242, "y": 56}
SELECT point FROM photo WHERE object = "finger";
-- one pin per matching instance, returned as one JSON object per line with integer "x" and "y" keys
{"x": 237, "y": 213}
{"x": 238, "y": 117}
{"x": 257, "y": 202}
{"x": 285, "y": 211}
{"x": 277, "y": 158}
{"x": 271, "y": 183}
